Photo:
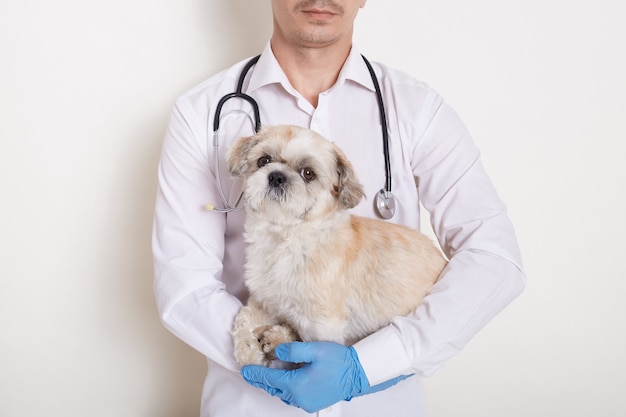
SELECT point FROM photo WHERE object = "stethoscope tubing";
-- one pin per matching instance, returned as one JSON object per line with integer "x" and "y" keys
{"x": 383, "y": 125}
{"x": 238, "y": 93}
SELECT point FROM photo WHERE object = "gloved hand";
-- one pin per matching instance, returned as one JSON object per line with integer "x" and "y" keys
{"x": 331, "y": 373}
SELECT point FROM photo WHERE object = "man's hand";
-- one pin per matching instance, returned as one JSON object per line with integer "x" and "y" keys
{"x": 330, "y": 373}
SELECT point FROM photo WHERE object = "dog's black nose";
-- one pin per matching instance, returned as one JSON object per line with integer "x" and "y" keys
{"x": 276, "y": 179}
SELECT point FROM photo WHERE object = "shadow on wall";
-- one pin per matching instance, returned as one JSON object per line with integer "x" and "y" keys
{"x": 235, "y": 29}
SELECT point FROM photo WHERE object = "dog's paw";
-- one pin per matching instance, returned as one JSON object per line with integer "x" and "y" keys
{"x": 255, "y": 337}
{"x": 274, "y": 336}
{"x": 246, "y": 338}
{"x": 249, "y": 351}
{"x": 248, "y": 346}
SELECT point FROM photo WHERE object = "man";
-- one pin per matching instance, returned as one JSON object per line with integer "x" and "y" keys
{"x": 311, "y": 75}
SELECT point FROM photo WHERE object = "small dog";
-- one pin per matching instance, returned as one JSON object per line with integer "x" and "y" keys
{"x": 314, "y": 271}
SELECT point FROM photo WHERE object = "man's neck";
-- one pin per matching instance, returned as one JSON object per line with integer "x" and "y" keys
{"x": 311, "y": 71}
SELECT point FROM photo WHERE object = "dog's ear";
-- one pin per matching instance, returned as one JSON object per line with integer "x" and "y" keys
{"x": 349, "y": 190}
{"x": 237, "y": 155}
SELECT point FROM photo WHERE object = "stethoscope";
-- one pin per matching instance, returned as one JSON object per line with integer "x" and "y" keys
{"x": 384, "y": 201}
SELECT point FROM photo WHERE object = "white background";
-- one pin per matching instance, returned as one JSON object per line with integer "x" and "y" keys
{"x": 85, "y": 94}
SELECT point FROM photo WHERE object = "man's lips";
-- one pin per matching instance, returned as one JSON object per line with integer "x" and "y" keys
{"x": 319, "y": 14}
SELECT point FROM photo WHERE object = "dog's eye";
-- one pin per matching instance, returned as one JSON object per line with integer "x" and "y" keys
{"x": 264, "y": 160}
{"x": 307, "y": 174}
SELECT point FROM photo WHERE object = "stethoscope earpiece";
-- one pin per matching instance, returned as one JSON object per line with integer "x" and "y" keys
{"x": 385, "y": 204}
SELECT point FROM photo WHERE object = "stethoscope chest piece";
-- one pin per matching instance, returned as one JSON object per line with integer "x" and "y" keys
{"x": 385, "y": 204}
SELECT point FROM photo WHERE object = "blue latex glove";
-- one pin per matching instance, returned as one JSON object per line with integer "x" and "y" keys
{"x": 330, "y": 373}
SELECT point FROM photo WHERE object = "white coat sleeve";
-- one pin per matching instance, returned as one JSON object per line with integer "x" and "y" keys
{"x": 484, "y": 273}
{"x": 188, "y": 243}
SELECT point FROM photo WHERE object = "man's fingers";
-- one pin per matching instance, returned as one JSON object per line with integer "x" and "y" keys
{"x": 295, "y": 352}
{"x": 271, "y": 380}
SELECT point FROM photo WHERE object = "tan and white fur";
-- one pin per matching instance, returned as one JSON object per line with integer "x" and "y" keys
{"x": 314, "y": 271}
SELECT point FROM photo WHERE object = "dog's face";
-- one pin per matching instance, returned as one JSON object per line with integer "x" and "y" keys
{"x": 292, "y": 173}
